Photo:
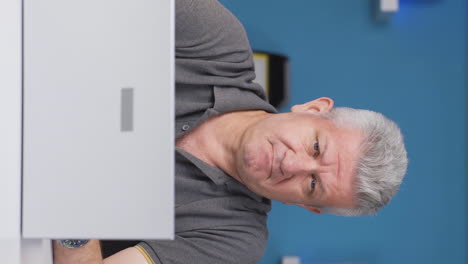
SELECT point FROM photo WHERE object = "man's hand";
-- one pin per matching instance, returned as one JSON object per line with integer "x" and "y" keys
{"x": 90, "y": 253}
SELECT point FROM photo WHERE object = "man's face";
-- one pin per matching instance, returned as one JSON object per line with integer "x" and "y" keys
{"x": 300, "y": 158}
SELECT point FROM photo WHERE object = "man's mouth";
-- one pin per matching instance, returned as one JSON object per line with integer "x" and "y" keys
{"x": 272, "y": 160}
{"x": 277, "y": 173}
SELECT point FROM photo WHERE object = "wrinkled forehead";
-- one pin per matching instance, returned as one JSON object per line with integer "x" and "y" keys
{"x": 349, "y": 152}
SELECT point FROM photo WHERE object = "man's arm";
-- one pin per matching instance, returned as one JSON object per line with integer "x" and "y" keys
{"x": 91, "y": 254}
{"x": 127, "y": 256}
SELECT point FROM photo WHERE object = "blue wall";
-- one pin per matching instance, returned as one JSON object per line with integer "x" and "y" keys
{"x": 412, "y": 69}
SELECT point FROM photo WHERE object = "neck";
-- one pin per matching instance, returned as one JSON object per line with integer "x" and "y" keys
{"x": 217, "y": 140}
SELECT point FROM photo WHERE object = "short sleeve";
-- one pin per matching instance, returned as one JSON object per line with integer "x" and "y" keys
{"x": 224, "y": 245}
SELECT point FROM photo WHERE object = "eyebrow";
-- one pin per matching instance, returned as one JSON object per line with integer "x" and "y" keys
{"x": 324, "y": 149}
{"x": 322, "y": 187}
{"x": 321, "y": 184}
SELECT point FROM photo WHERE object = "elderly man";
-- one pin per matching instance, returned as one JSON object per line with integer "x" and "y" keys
{"x": 234, "y": 154}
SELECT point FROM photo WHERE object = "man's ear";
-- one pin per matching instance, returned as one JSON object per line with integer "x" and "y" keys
{"x": 312, "y": 209}
{"x": 320, "y": 105}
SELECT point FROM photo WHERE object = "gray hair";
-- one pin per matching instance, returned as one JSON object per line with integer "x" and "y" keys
{"x": 382, "y": 164}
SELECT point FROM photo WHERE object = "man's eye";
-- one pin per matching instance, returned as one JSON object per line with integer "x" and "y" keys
{"x": 316, "y": 149}
{"x": 313, "y": 183}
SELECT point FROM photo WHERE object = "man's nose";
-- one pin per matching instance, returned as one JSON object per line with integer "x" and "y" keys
{"x": 298, "y": 164}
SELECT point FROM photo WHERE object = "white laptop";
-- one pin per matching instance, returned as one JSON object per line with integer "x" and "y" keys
{"x": 98, "y": 119}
